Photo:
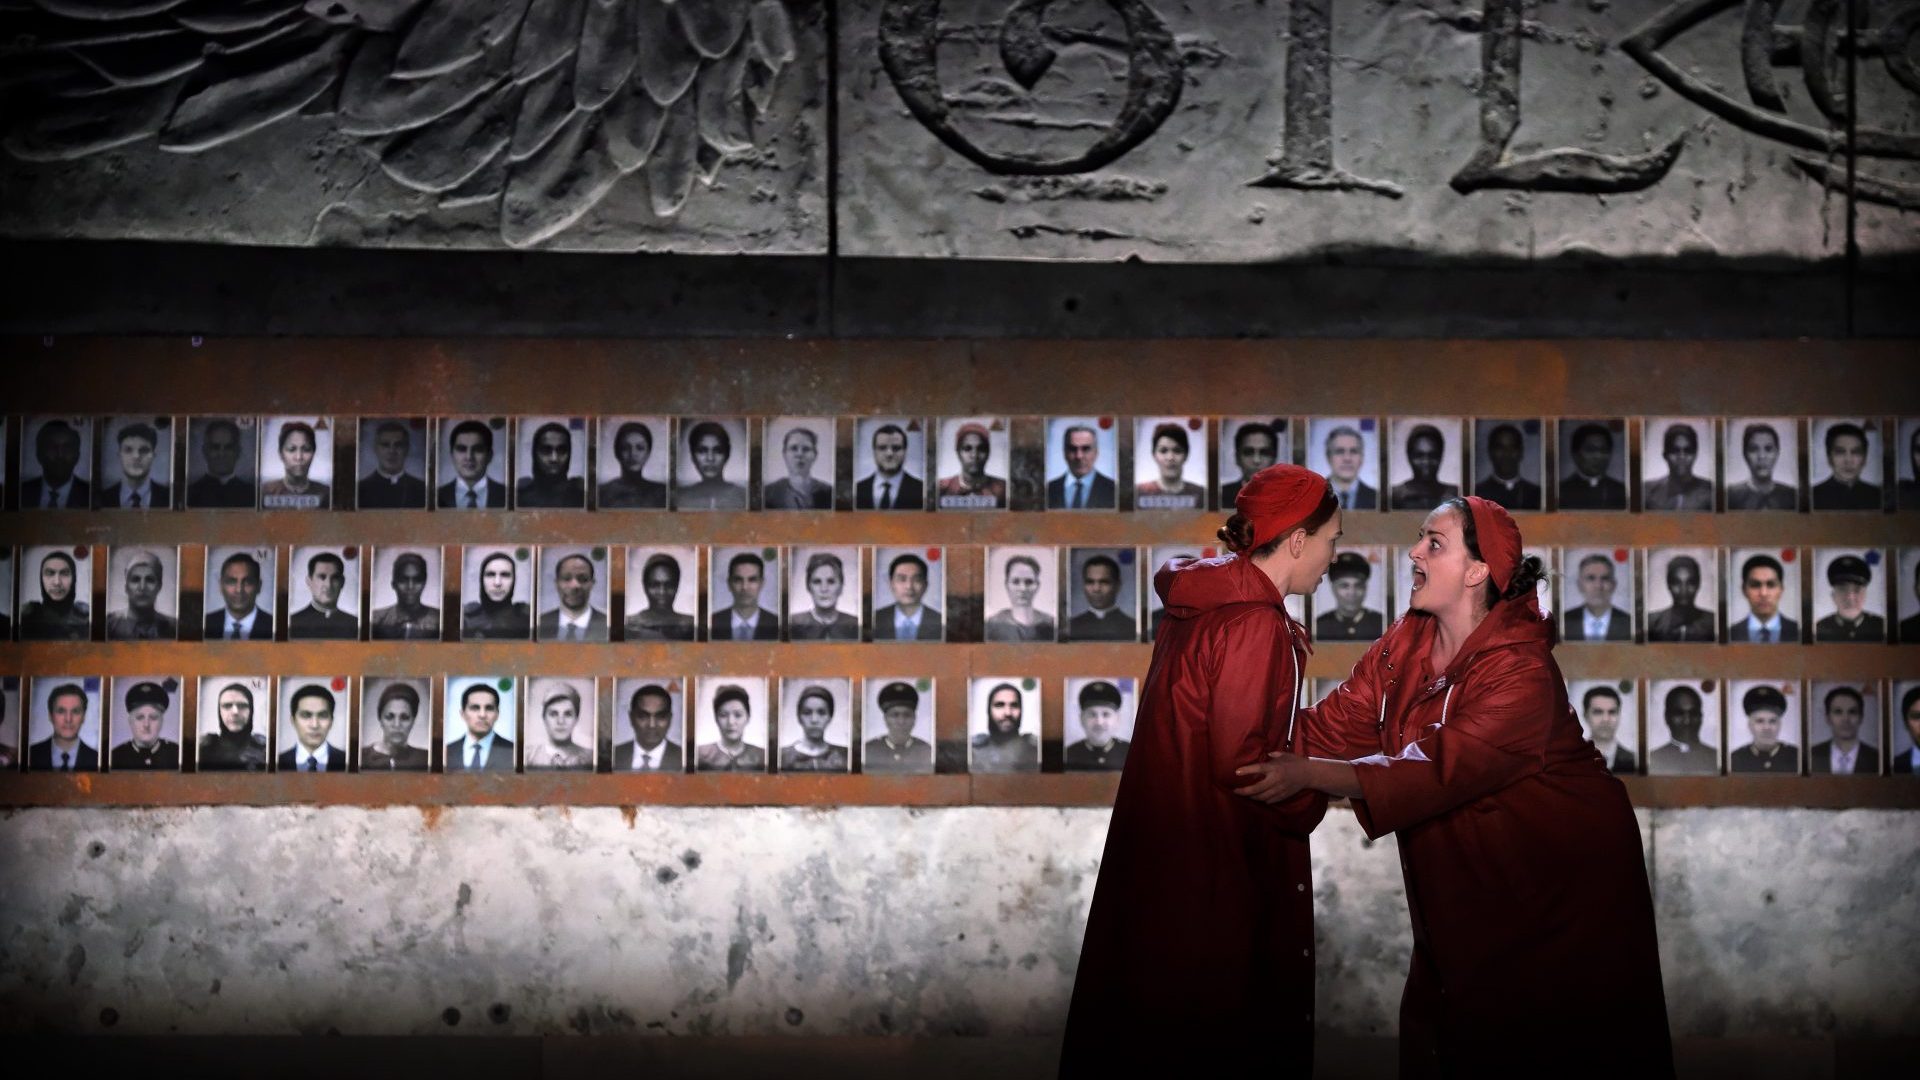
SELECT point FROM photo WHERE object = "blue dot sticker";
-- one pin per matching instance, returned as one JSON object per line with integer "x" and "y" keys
{"x": 498, "y": 423}
{"x": 163, "y": 422}
{"x": 92, "y": 683}
{"x": 10, "y": 683}
{"x": 1532, "y": 426}
{"x": 1278, "y": 424}
{"x": 577, "y": 423}
{"x": 1126, "y": 686}
{"x": 1872, "y": 557}
{"x": 1126, "y": 556}
{"x": 1366, "y": 424}
{"x": 170, "y": 684}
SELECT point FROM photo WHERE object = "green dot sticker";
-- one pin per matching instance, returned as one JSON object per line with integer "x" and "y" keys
{"x": 770, "y": 554}
{"x": 520, "y": 553}
{"x": 923, "y": 685}
{"x": 1626, "y": 686}
{"x": 505, "y": 685}
{"x": 600, "y": 554}
{"x": 1026, "y": 684}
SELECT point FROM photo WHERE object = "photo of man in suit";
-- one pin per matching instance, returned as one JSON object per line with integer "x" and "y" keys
{"x": 1909, "y": 762}
{"x": 390, "y": 486}
{"x": 1255, "y": 446}
{"x": 1845, "y": 710}
{"x": 1349, "y": 619}
{"x": 1910, "y": 626}
{"x": 1595, "y": 618}
{"x": 1082, "y": 486}
{"x": 745, "y": 619}
{"x": 908, "y": 618}
{"x": 1346, "y": 453}
{"x": 1763, "y": 583}
{"x": 1102, "y": 593}
{"x": 57, "y": 450}
{"x": 1848, "y": 454}
{"x": 1600, "y": 709}
{"x": 1766, "y": 708}
{"x": 323, "y": 619}
{"x": 310, "y": 712}
{"x": 575, "y": 619}
{"x": 1848, "y": 576}
{"x": 139, "y": 450}
{"x": 227, "y": 483}
{"x": 650, "y": 714}
{"x": 1687, "y": 753}
{"x": 1503, "y": 484}
{"x": 479, "y": 746}
{"x": 65, "y": 750}
{"x": 899, "y": 750}
{"x": 470, "y": 449}
{"x": 1683, "y": 620}
{"x": 240, "y": 617}
{"x": 1591, "y": 485}
{"x": 890, "y": 486}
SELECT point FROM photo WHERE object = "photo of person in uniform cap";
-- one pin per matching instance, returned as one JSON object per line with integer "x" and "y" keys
{"x": 1765, "y": 707}
{"x": 1350, "y": 619}
{"x": 147, "y": 748}
{"x": 1849, "y": 576}
{"x": 1683, "y": 621}
{"x": 1102, "y": 749}
{"x": 1848, "y": 453}
{"x": 899, "y": 750}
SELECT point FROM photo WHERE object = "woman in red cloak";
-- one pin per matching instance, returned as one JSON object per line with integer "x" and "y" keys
{"x": 1199, "y": 945}
{"x": 1533, "y": 936}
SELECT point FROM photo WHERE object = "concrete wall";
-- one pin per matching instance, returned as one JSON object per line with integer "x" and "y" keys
{"x": 844, "y": 922}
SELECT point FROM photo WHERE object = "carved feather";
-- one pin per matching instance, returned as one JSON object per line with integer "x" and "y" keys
{"x": 607, "y": 51}
{"x": 228, "y": 17}
{"x": 668, "y": 61}
{"x": 547, "y": 104}
{"x": 446, "y": 154}
{"x": 107, "y": 10}
{"x": 379, "y": 15}
{"x": 713, "y": 26}
{"x": 671, "y": 170}
{"x": 550, "y": 34}
{"x": 720, "y": 103}
{"x": 144, "y": 63}
{"x": 772, "y": 34}
{"x": 556, "y": 187}
{"x": 633, "y": 122}
{"x": 248, "y": 91}
{"x": 66, "y": 128}
{"x": 451, "y": 33}
{"x": 373, "y": 102}
{"x": 759, "y": 82}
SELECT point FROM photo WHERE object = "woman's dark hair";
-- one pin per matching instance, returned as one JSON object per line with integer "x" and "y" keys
{"x": 1237, "y": 533}
{"x": 1531, "y": 570}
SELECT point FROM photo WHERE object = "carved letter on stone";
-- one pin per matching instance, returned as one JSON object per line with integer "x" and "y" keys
{"x": 909, "y": 44}
{"x": 1306, "y": 157}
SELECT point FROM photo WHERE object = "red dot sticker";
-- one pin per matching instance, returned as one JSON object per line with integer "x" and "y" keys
{"x": 1194, "y": 423}
{"x": 1208, "y": 553}
{"x": 82, "y": 552}
{"x": 1706, "y": 686}
{"x": 351, "y": 551}
{"x": 1106, "y": 422}
{"x": 1788, "y": 554}
{"x": 1620, "y": 555}
{"x": 933, "y": 554}
{"x": 340, "y": 682}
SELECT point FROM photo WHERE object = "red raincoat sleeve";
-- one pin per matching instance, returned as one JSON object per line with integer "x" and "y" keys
{"x": 1251, "y": 676}
{"x": 1495, "y": 732}
{"x": 1347, "y": 724}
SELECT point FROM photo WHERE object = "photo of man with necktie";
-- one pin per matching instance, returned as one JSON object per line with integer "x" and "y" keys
{"x": 136, "y": 463}
{"x": 239, "y": 579}
{"x": 65, "y": 727}
{"x": 1080, "y": 456}
{"x": 653, "y": 710}
{"x": 475, "y": 467}
{"x": 1345, "y": 450}
{"x": 57, "y": 462}
{"x": 316, "y": 712}
{"x": 1763, "y": 596}
{"x": 890, "y": 458}
{"x": 573, "y": 593}
{"x": 482, "y": 718}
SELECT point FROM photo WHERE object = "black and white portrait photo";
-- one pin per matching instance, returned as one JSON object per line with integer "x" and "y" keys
{"x": 1683, "y": 727}
{"x": 1345, "y": 450}
{"x": 1021, "y": 598}
{"x": 563, "y": 730}
{"x": 1596, "y": 594}
{"x": 575, "y": 586}
{"x": 1003, "y": 724}
{"x": 1906, "y": 468}
{"x": 1906, "y": 593}
{"x": 649, "y": 724}
{"x": 239, "y": 593}
{"x": 823, "y": 595}
{"x": 1593, "y": 464}
{"x": 1678, "y": 463}
{"x": 1610, "y": 716}
{"x": 496, "y": 592}
{"x": 56, "y": 463}
{"x": 1350, "y": 603}
{"x": 816, "y": 725}
{"x": 144, "y": 730}
{"x": 316, "y": 713}
{"x": 11, "y": 723}
{"x": 1903, "y": 742}
{"x": 731, "y": 724}
{"x": 396, "y": 726}
{"x": 6, "y": 594}
{"x": 1509, "y": 462}
{"x": 143, "y": 593}
{"x": 1763, "y": 727}
{"x": 889, "y": 463}
{"x": 630, "y": 475}
{"x": 63, "y": 729}
{"x": 1170, "y": 463}
{"x": 1843, "y": 728}
{"x": 391, "y": 454}
{"x": 1843, "y": 463}
{"x": 481, "y": 723}
{"x": 971, "y": 463}
{"x": 897, "y": 725}
{"x": 1849, "y": 596}
{"x": 296, "y": 463}
{"x": 550, "y": 460}
{"x": 909, "y": 594}
{"x": 1098, "y": 724}
{"x": 798, "y": 456}
{"x": 713, "y": 464}
{"x": 1081, "y": 456}
{"x": 662, "y": 594}
{"x": 405, "y": 594}
{"x": 472, "y": 463}
{"x": 1763, "y": 596}
{"x": 136, "y": 463}
{"x": 1103, "y": 594}
{"x": 1762, "y": 456}
{"x": 234, "y": 720}
{"x": 743, "y": 594}
{"x": 323, "y": 594}
{"x": 1247, "y": 445}
{"x": 222, "y": 463}
{"x": 56, "y": 593}
{"x": 1425, "y": 466}
{"x": 1683, "y": 595}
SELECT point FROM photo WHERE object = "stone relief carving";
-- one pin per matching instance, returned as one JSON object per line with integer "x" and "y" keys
{"x": 536, "y": 107}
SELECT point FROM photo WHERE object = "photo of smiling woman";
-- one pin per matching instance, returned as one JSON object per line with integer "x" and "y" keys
{"x": 1454, "y": 733}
